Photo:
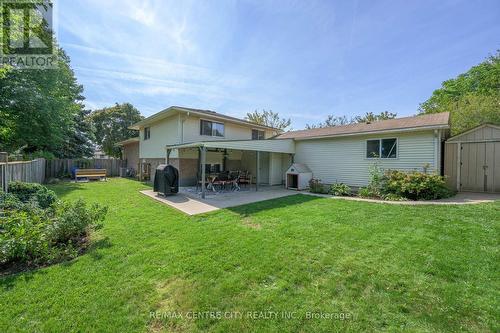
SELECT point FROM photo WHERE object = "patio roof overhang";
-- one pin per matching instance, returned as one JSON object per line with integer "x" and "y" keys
{"x": 284, "y": 146}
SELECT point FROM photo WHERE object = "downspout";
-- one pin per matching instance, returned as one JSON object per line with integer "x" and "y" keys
{"x": 436, "y": 143}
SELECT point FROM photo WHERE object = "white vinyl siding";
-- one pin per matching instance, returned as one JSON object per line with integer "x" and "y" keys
{"x": 344, "y": 159}
{"x": 161, "y": 134}
{"x": 231, "y": 131}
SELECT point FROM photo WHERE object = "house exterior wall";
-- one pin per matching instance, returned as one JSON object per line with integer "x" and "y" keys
{"x": 180, "y": 128}
{"x": 275, "y": 169}
{"x": 344, "y": 159}
{"x": 191, "y": 131}
{"x": 162, "y": 133}
{"x": 130, "y": 152}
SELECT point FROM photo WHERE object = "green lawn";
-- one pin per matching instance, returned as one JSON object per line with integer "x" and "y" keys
{"x": 388, "y": 267}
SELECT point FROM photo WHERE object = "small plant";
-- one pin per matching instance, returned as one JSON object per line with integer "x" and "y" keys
{"x": 27, "y": 192}
{"x": 394, "y": 197}
{"x": 365, "y": 192}
{"x": 316, "y": 186}
{"x": 340, "y": 189}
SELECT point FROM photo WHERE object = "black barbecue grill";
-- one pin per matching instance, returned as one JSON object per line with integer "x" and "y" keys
{"x": 166, "y": 179}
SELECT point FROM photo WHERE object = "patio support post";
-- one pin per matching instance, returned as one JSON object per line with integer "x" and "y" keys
{"x": 203, "y": 157}
{"x": 168, "y": 156}
{"x": 257, "y": 172}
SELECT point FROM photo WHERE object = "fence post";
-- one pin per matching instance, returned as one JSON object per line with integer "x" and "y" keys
{"x": 4, "y": 158}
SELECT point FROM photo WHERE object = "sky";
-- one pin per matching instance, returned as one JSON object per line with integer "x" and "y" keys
{"x": 302, "y": 59}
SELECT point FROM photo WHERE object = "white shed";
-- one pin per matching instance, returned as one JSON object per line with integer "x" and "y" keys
{"x": 298, "y": 176}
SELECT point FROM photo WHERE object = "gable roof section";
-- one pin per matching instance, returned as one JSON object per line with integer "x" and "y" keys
{"x": 199, "y": 112}
{"x": 429, "y": 121}
{"x": 494, "y": 133}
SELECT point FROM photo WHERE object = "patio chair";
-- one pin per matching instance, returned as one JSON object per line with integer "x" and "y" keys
{"x": 214, "y": 182}
{"x": 199, "y": 182}
{"x": 245, "y": 178}
{"x": 223, "y": 179}
{"x": 234, "y": 177}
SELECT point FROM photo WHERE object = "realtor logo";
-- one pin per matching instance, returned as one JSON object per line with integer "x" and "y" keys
{"x": 27, "y": 34}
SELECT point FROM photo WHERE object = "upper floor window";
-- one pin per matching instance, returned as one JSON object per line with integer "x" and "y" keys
{"x": 147, "y": 133}
{"x": 382, "y": 148}
{"x": 211, "y": 128}
{"x": 257, "y": 135}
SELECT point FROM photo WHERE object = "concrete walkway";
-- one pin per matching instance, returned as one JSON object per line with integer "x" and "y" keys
{"x": 462, "y": 198}
{"x": 189, "y": 202}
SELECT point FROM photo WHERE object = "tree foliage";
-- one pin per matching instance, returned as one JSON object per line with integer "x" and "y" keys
{"x": 371, "y": 117}
{"x": 269, "y": 118}
{"x": 42, "y": 110}
{"x": 332, "y": 121}
{"x": 471, "y": 98}
{"x": 111, "y": 126}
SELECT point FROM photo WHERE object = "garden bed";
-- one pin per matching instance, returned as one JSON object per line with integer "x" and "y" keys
{"x": 37, "y": 229}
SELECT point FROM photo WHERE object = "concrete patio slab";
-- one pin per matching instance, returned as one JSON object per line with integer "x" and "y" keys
{"x": 189, "y": 202}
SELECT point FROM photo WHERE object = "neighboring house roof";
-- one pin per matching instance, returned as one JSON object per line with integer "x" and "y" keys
{"x": 128, "y": 141}
{"x": 428, "y": 121}
{"x": 203, "y": 113}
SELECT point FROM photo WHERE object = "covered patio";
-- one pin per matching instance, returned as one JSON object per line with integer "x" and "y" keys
{"x": 227, "y": 166}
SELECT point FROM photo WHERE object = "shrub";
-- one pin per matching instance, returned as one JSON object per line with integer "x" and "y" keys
{"x": 27, "y": 192}
{"x": 414, "y": 185}
{"x": 32, "y": 235}
{"x": 75, "y": 219}
{"x": 23, "y": 237}
{"x": 316, "y": 186}
{"x": 340, "y": 189}
{"x": 8, "y": 201}
{"x": 365, "y": 192}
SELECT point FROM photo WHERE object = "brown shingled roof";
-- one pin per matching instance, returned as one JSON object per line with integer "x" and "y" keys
{"x": 435, "y": 120}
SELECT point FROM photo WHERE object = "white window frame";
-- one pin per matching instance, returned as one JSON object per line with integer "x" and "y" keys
{"x": 213, "y": 122}
{"x": 258, "y": 130}
{"x": 149, "y": 133}
{"x": 380, "y": 149}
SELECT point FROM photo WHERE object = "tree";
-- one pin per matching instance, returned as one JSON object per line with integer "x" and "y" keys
{"x": 40, "y": 110}
{"x": 331, "y": 121}
{"x": 269, "y": 118}
{"x": 471, "y": 98}
{"x": 371, "y": 117}
{"x": 111, "y": 126}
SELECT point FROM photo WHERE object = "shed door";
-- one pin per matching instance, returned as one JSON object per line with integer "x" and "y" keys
{"x": 480, "y": 167}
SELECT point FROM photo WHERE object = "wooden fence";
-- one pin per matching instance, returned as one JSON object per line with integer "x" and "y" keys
{"x": 26, "y": 171}
{"x": 58, "y": 168}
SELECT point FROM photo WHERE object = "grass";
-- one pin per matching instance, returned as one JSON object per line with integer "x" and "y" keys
{"x": 387, "y": 267}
